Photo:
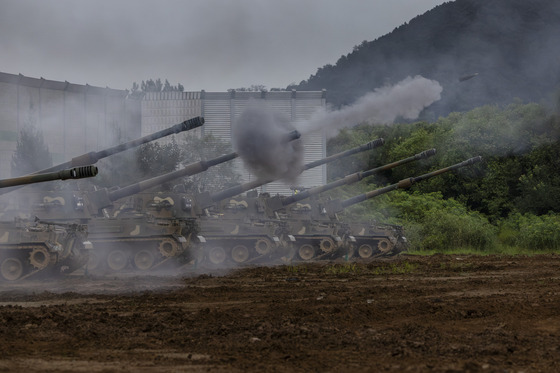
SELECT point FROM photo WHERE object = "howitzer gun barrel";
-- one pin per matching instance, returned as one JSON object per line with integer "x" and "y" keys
{"x": 353, "y": 178}
{"x": 238, "y": 189}
{"x": 93, "y": 157}
{"x": 403, "y": 184}
{"x": 72, "y": 173}
{"x": 369, "y": 146}
{"x": 105, "y": 198}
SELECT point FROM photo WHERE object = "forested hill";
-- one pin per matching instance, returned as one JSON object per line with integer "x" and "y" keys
{"x": 513, "y": 45}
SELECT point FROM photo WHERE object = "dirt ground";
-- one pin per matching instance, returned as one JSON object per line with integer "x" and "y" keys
{"x": 440, "y": 313}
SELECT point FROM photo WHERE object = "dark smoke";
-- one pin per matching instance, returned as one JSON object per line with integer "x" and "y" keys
{"x": 259, "y": 137}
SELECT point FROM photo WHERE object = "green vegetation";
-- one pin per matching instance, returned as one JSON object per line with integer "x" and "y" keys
{"x": 401, "y": 268}
{"x": 509, "y": 203}
{"x": 338, "y": 269}
{"x": 297, "y": 269}
{"x": 396, "y": 269}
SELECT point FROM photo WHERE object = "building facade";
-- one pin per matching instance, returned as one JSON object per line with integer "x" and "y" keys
{"x": 74, "y": 119}
{"x": 220, "y": 109}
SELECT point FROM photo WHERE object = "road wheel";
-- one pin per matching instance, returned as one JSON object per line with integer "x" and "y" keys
{"x": 117, "y": 260}
{"x": 327, "y": 245}
{"x": 39, "y": 258}
{"x": 168, "y": 248}
{"x": 240, "y": 253}
{"x": 11, "y": 269}
{"x": 306, "y": 252}
{"x": 384, "y": 245}
{"x": 144, "y": 259}
{"x": 216, "y": 255}
{"x": 263, "y": 246}
{"x": 365, "y": 251}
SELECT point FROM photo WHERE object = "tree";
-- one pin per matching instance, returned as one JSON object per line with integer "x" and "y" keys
{"x": 32, "y": 154}
{"x": 252, "y": 88}
{"x": 150, "y": 85}
{"x": 154, "y": 159}
{"x": 215, "y": 178}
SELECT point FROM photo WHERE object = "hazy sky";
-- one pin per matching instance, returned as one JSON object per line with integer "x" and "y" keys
{"x": 203, "y": 44}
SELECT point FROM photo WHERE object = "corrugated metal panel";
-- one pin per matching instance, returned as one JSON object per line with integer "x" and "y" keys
{"x": 220, "y": 109}
{"x": 217, "y": 118}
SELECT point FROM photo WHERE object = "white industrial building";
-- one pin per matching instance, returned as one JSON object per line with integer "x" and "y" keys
{"x": 220, "y": 109}
{"x": 77, "y": 119}
{"x": 74, "y": 119}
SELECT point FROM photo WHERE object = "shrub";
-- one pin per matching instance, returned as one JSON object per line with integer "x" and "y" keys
{"x": 530, "y": 231}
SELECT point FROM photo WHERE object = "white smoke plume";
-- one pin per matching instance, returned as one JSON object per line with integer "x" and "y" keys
{"x": 259, "y": 133}
{"x": 405, "y": 99}
{"x": 259, "y": 136}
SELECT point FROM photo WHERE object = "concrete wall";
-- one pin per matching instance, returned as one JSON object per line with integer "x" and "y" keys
{"x": 74, "y": 119}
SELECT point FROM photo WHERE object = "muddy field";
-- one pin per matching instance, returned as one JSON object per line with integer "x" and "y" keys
{"x": 439, "y": 313}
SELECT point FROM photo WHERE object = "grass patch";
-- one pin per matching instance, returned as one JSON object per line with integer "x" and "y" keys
{"x": 297, "y": 269}
{"x": 498, "y": 250}
{"x": 342, "y": 269}
{"x": 396, "y": 269}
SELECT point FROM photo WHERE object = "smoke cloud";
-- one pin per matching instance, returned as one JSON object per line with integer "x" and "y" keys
{"x": 405, "y": 99}
{"x": 259, "y": 135}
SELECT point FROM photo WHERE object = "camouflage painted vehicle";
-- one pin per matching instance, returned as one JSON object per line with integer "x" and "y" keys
{"x": 121, "y": 237}
{"x": 114, "y": 233}
{"x": 29, "y": 247}
{"x": 197, "y": 218}
{"x": 242, "y": 229}
{"x": 363, "y": 240}
{"x": 125, "y": 230}
{"x": 318, "y": 235}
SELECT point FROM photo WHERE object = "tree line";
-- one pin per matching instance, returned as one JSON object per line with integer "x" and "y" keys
{"x": 510, "y": 199}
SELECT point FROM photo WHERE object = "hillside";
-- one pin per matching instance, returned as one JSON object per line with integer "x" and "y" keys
{"x": 513, "y": 45}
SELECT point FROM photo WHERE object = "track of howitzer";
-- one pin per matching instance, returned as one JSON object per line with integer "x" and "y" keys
{"x": 442, "y": 313}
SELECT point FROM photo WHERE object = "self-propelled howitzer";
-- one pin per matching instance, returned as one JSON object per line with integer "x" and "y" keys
{"x": 28, "y": 247}
{"x": 239, "y": 229}
{"x": 366, "y": 238}
{"x": 166, "y": 205}
{"x": 312, "y": 231}
{"x": 124, "y": 235}
{"x": 66, "y": 210}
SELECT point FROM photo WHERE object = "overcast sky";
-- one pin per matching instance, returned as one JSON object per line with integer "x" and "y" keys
{"x": 213, "y": 45}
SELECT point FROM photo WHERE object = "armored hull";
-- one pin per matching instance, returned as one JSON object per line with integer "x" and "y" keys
{"x": 32, "y": 247}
